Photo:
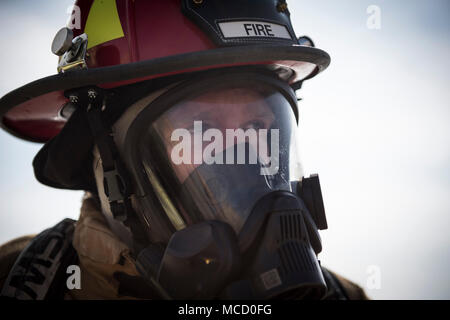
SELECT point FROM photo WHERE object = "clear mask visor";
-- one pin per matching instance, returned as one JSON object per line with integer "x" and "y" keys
{"x": 215, "y": 153}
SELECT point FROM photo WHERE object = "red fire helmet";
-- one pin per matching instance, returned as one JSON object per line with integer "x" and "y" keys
{"x": 127, "y": 41}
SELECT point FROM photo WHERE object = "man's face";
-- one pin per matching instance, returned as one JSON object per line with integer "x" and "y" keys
{"x": 234, "y": 108}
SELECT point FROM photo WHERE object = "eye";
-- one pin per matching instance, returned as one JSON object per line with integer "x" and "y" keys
{"x": 205, "y": 126}
{"x": 256, "y": 125}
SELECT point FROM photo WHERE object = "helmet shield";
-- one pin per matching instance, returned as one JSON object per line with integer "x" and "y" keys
{"x": 217, "y": 149}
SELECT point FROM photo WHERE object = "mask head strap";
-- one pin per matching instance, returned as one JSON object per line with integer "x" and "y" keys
{"x": 116, "y": 179}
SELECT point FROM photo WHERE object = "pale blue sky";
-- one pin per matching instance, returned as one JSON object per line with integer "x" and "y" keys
{"x": 375, "y": 126}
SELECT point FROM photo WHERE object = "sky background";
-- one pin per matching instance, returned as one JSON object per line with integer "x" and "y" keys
{"x": 374, "y": 125}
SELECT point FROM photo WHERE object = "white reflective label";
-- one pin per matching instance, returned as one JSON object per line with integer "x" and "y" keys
{"x": 243, "y": 29}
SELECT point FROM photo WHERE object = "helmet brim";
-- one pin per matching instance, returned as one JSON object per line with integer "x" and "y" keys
{"x": 32, "y": 112}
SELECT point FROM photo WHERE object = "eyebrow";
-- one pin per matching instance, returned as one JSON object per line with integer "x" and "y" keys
{"x": 201, "y": 115}
{"x": 265, "y": 113}
{"x": 186, "y": 121}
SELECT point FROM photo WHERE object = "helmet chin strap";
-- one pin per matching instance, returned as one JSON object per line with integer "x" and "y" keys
{"x": 116, "y": 179}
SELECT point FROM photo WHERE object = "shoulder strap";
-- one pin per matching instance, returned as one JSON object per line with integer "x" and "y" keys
{"x": 40, "y": 269}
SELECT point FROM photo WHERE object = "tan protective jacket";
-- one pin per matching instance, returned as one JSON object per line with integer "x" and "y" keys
{"x": 102, "y": 255}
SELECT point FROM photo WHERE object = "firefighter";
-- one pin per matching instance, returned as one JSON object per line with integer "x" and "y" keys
{"x": 178, "y": 118}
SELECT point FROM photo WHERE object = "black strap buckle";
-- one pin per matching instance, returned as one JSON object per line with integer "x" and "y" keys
{"x": 117, "y": 188}
{"x": 115, "y": 177}
{"x": 113, "y": 184}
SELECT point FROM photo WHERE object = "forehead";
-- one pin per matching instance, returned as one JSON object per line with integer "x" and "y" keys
{"x": 220, "y": 103}
{"x": 229, "y": 96}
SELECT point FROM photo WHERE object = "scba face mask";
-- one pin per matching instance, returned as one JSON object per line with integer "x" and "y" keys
{"x": 215, "y": 163}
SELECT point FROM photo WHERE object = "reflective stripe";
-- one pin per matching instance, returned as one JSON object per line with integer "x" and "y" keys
{"x": 103, "y": 23}
{"x": 252, "y": 29}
